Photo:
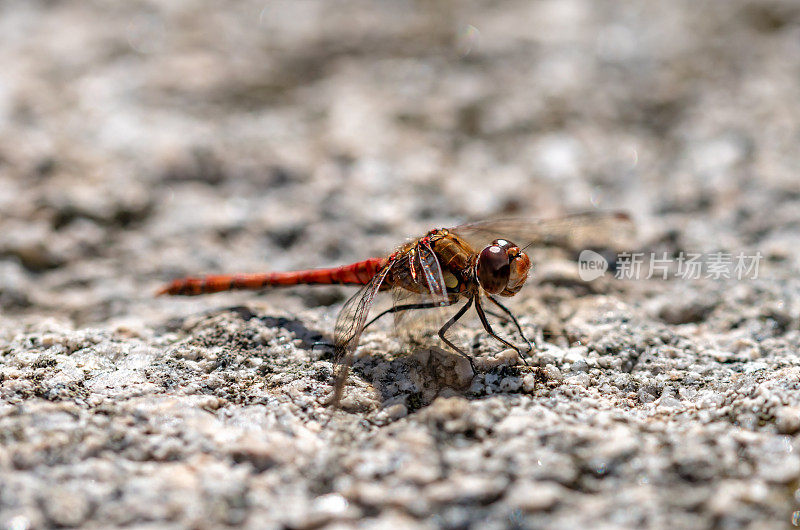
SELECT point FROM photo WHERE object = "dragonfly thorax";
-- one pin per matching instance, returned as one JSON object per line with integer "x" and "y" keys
{"x": 502, "y": 268}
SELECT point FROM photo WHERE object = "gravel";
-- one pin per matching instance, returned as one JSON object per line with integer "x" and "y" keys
{"x": 147, "y": 140}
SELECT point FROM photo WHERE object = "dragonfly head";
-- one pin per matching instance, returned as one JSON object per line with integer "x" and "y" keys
{"x": 502, "y": 268}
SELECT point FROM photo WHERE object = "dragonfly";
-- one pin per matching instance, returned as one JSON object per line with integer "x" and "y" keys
{"x": 473, "y": 265}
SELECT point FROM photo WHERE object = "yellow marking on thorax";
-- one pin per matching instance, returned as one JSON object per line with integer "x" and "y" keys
{"x": 450, "y": 280}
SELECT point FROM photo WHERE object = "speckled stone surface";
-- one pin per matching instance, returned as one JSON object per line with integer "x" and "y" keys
{"x": 146, "y": 140}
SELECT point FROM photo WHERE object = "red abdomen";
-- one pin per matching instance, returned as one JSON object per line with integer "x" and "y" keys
{"x": 359, "y": 273}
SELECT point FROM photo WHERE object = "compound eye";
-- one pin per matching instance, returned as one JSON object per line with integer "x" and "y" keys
{"x": 503, "y": 243}
{"x": 493, "y": 268}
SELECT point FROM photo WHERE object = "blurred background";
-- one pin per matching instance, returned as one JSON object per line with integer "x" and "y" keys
{"x": 144, "y": 140}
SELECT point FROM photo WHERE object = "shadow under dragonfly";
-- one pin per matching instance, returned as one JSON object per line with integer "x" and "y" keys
{"x": 309, "y": 338}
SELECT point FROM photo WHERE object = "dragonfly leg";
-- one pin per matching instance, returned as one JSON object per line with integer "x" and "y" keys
{"x": 513, "y": 319}
{"x": 491, "y": 332}
{"x": 406, "y": 307}
{"x": 496, "y": 315}
{"x": 449, "y": 324}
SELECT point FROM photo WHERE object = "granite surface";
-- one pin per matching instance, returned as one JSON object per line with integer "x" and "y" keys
{"x": 142, "y": 141}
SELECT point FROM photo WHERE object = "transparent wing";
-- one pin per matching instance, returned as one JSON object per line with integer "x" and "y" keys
{"x": 574, "y": 232}
{"x": 349, "y": 326}
{"x": 418, "y": 316}
{"x": 419, "y": 292}
{"x": 432, "y": 271}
